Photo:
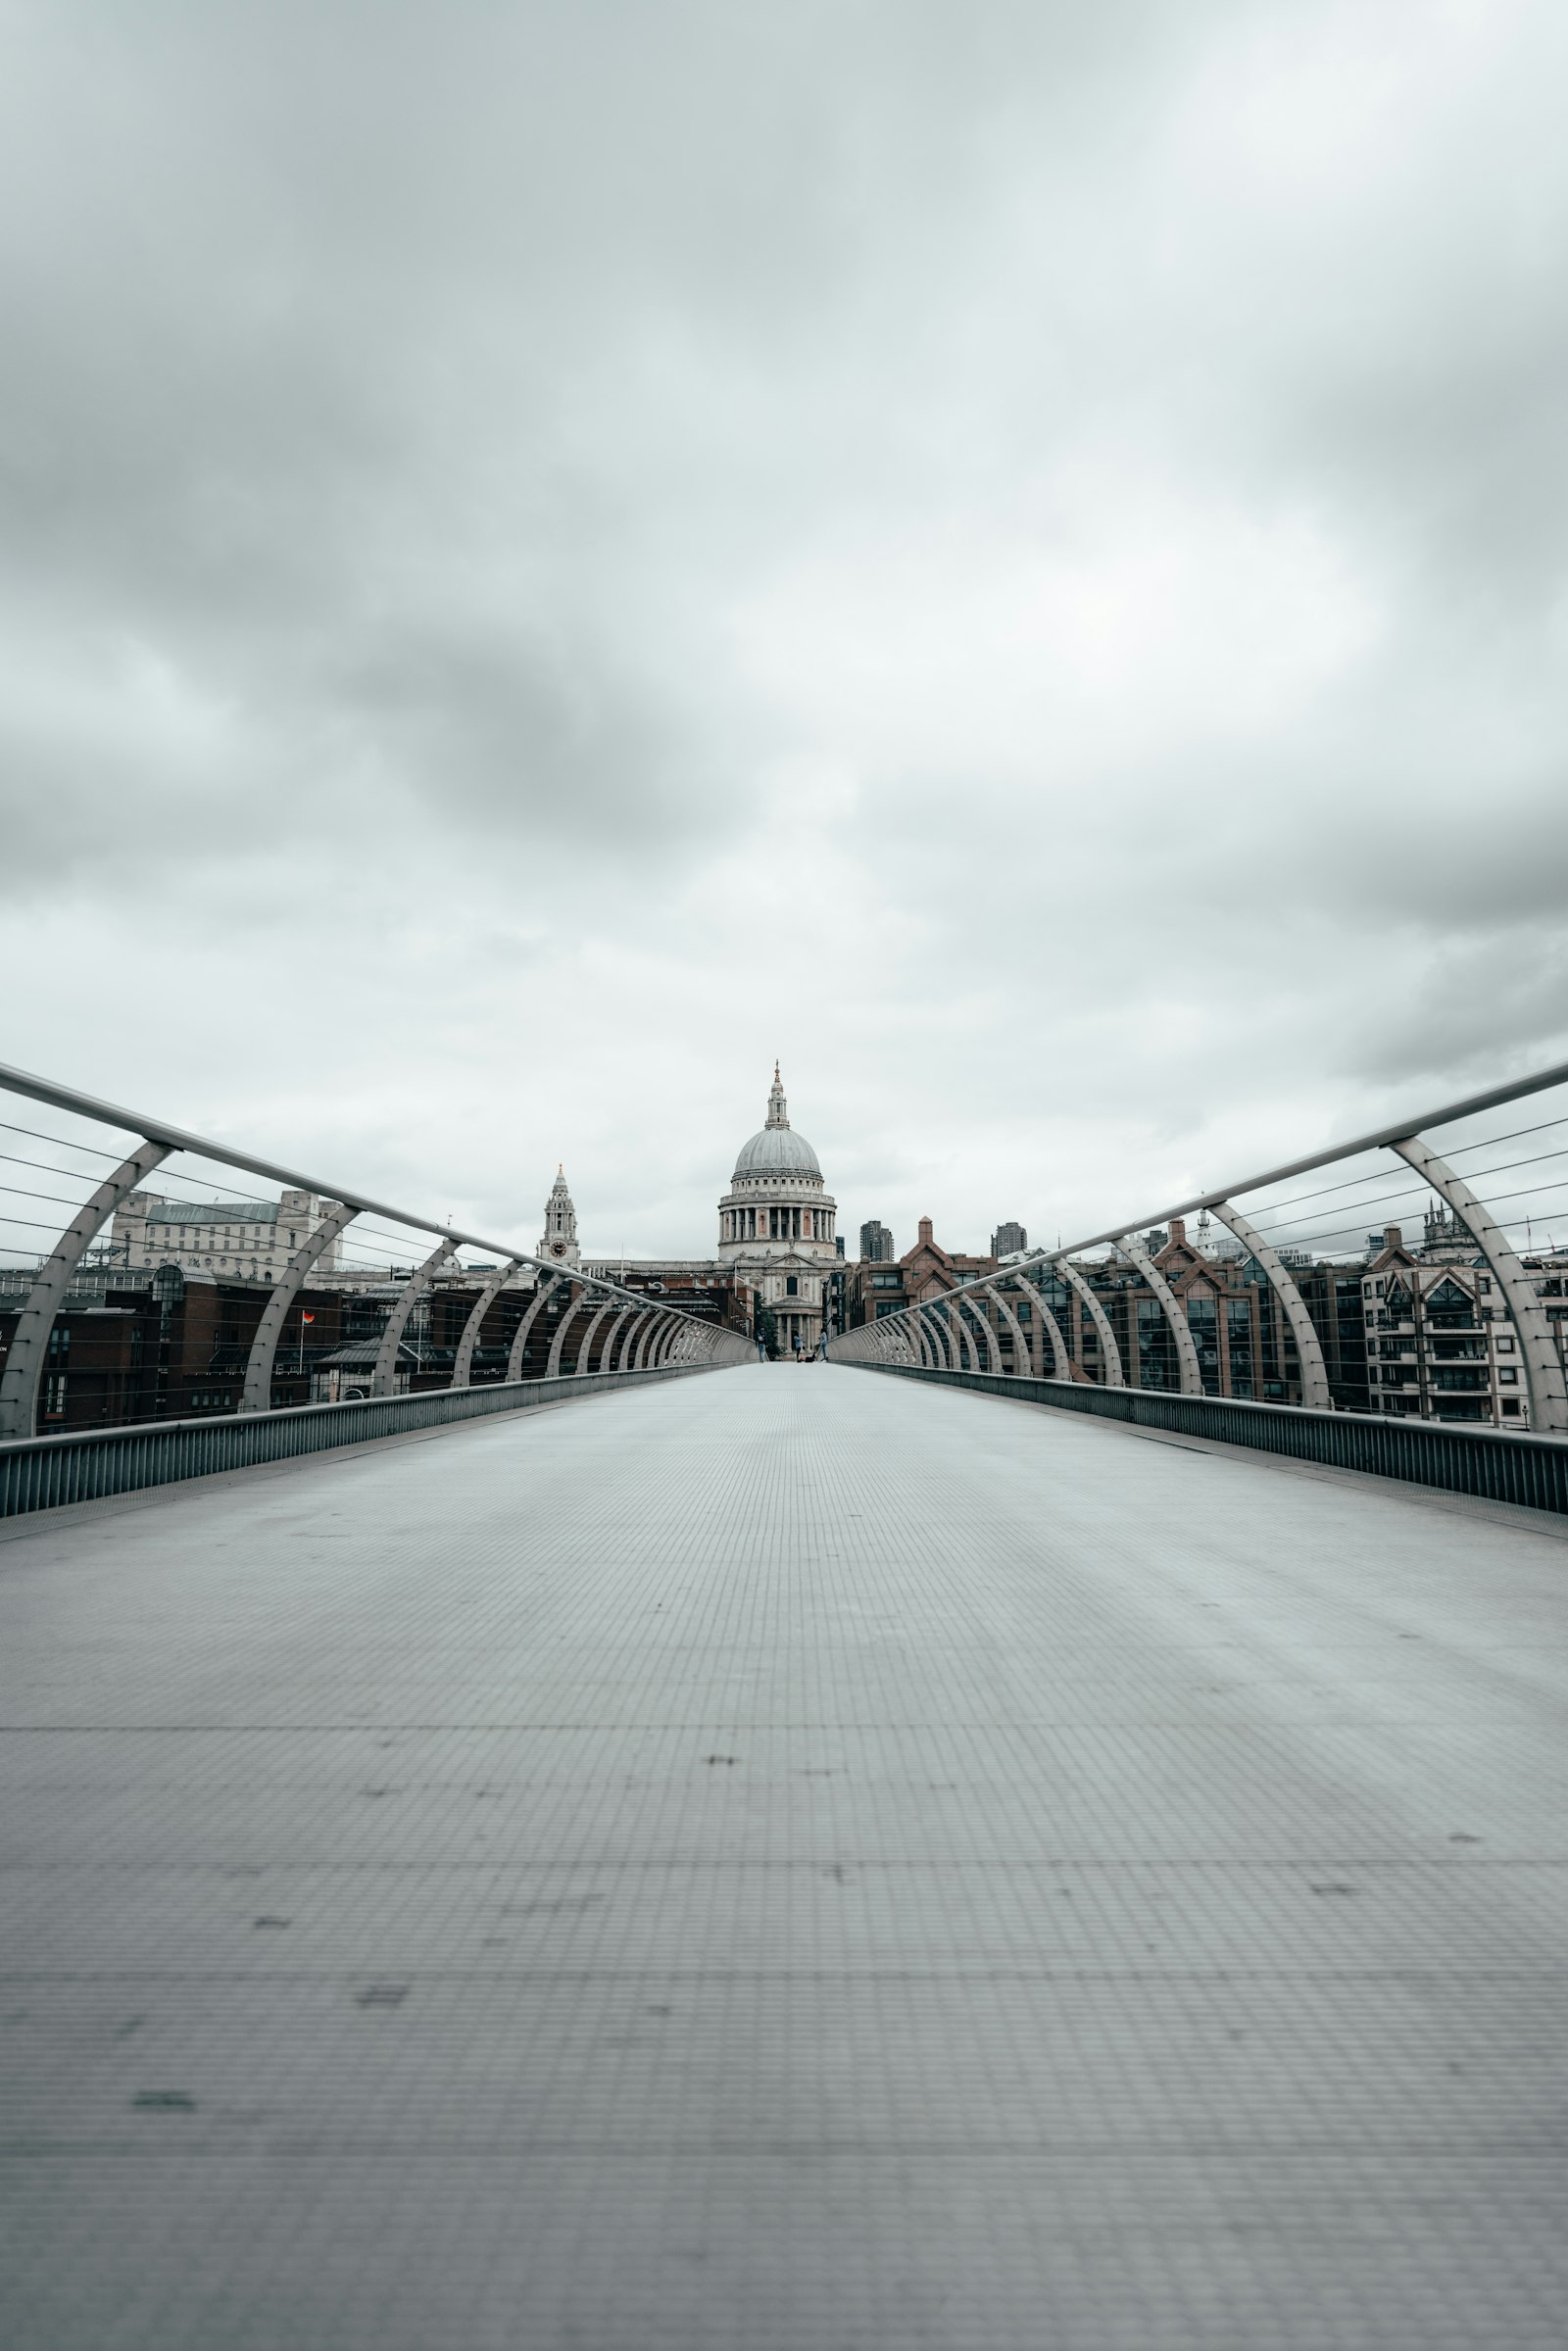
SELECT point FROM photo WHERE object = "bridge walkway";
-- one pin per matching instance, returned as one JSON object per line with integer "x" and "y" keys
{"x": 787, "y": 1859}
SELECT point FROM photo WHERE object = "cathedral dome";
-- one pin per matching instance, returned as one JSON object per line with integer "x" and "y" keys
{"x": 777, "y": 1150}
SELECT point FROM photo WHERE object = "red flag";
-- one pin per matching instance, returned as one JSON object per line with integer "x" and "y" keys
{"x": 307, "y": 1318}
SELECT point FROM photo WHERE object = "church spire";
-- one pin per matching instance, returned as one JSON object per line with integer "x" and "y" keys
{"x": 777, "y": 1110}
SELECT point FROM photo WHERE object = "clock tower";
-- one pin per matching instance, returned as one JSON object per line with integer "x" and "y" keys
{"x": 560, "y": 1244}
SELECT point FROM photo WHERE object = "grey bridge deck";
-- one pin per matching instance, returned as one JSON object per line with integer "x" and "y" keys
{"x": 783, "y": 1860}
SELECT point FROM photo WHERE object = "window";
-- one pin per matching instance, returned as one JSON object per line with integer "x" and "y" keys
{"x": 1449, "y": 1308}
{"x": 1203, "y": 1320}
{"x": 1508, "y": 1377}
{"x": 1505, "y": 1346}
{"x": 1239, "y": 1339}
{"x": 791, "y": 1287}
{"x": 1156, "y": 1354}
{"x": 54, "y": 1395}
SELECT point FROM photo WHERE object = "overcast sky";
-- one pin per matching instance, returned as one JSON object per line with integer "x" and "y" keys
{"x": 1012, "y": 555}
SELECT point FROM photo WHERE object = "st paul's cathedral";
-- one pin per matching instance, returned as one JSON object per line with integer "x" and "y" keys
{"x": 777, "y": 1231}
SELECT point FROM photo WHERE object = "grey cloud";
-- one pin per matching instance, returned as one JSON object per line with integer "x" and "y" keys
{"x": 1012, "y": 555}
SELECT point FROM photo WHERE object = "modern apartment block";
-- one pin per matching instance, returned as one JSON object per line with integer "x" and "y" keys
{"x": 1438, "y": 1342}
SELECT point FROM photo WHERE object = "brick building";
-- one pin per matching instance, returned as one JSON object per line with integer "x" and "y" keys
{"x": 873, "y": 1288}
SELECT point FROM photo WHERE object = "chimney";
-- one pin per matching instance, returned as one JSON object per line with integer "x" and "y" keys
{"x": 1393, "y": 1237}
{"x": 1177, "y": 1230}
{"x": 925, "y": 1232}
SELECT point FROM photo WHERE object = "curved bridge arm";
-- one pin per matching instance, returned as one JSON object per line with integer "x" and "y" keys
{"x": 383, "y": 1379}
{"x": 647, "y": 1355}
{"x": 520, "y": 1337}
{"x": 891, "y": 1341}
{"x": 1049, "y": 1328}
{"x": 1021, "y": 1352}
{"x": 570, "y": 1313}
{"x": 29, "y": 1348}
{"x": 586, "y": 1342}
{"x": 978, "y": 1331}
{"x": 258, "y": 1397}
{"x": 622, "y": 1331}
{"x": 1191, "y": 1377}
{"x": 1115, "y": 1376}
{"x": 1544, "y": 1371}
{"x": 462, "y": 1368}
{"x": 1315, "y": 1395}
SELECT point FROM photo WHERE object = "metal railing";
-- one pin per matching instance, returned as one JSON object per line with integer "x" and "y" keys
{"x": 1479, "y": 1289}
{"x": 597, "y": 1328}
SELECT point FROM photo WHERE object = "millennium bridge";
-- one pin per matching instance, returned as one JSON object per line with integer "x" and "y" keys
{"x": 945, "y": 1846}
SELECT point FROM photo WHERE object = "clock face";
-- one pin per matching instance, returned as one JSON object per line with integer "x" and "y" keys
{"x": 558, "y": 1248}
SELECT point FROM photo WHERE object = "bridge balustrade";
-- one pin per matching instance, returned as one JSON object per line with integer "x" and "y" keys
{"x": 99, "y": 1252}
{"x": 1144, "y": 1310}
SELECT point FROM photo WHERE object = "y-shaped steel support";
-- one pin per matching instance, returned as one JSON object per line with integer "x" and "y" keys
{"x": 258, "y": 1396}
{"x": 462, "y": 1368}
{"x": 1315, "y": 1397}
{"x": 931, "y": 1341}
{"x": 1544, "y": 1371}
{"x": 1110, "y": 1352}
{"x": 1191, "y": 1377}
{"x": 520, "y": 1337}
{"x": 29, "y": 1349}
{"x": 384, "y": 1378}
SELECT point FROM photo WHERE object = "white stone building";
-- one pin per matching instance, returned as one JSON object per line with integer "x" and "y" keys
{"x": 250, "y": 1239}
{"x": 559, "y": 1245}
{"x": 776, "y": 1225}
